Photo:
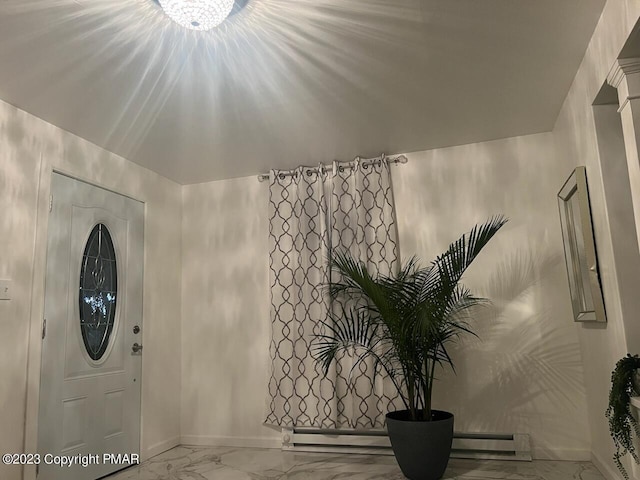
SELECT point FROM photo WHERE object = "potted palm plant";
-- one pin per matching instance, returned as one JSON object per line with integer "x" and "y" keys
{"x": 622, "y": 424}
{"x": 404, "y": 322}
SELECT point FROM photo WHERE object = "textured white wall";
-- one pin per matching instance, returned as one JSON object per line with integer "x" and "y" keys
{"x": 225, "y": 311}
{"x": 29, "y": 146}
{"x": 523, "y": 375}
{"x": 575, "y": 139}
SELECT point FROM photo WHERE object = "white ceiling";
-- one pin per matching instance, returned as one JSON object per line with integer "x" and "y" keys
{"x": 289, "y": 82}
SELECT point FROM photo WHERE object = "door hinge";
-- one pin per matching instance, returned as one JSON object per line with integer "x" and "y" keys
{"x": 50, "y": 202}
{"x": 44, "y": 328}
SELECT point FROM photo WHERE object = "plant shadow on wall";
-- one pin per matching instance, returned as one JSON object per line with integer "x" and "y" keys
{"x": 405, "y": 323}
{"x": 524, "y": 360}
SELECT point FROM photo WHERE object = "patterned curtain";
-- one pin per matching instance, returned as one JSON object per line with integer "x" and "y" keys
{"x": 312, "y": 212}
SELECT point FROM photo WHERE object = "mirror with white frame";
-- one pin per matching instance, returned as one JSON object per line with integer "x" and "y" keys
{"x": 579, "y": 249}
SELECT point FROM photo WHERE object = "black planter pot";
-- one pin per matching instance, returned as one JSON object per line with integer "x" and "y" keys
{"x": 421, "y": 448}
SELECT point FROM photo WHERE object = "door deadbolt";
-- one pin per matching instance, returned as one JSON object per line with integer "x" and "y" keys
{"x": 136, "y": 329}
{"x": 135, "y": 348}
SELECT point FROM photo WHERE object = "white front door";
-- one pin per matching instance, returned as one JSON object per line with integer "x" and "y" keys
{"x": 91, "y": 366}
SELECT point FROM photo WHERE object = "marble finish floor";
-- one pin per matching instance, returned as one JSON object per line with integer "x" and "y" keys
{"x": 228, "y": 463}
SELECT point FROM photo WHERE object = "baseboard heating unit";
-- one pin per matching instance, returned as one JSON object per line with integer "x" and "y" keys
{"x": 488, "y": 446}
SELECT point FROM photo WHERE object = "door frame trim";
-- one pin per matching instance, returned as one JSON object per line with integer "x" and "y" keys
{"x": 36, "y": 307}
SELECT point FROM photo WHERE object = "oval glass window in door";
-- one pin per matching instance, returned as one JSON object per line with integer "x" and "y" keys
{"x": 98, "y": 291}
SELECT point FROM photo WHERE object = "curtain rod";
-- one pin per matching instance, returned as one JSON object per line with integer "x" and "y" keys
{"x": 399, "y": 159}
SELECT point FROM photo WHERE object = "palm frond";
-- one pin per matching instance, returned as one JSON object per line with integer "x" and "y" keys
{"x": 403, "y": 321}
{"x": 352, "y": 329}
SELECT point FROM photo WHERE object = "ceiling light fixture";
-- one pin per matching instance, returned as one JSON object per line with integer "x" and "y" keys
{"x": 197, "y": 14}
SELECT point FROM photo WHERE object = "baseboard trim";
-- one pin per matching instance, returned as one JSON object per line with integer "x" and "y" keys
{"x": 561, "y": 454}
{"x": 213, "y": 441}
{"x": 605, "y": 469}
{"x": 161, "y": 447}
{"x": 276, "y": 442}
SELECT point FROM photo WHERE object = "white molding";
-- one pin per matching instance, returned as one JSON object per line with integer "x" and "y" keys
{"x": 621, "y": 68}
{"x": 215, "y": 441}
{"x": 160, "y": 447}
{"x": 36, "y": 314}
{"x": 626, "y": 101}
{"x": 565, "y": 454}
{"x": 605, "y": 469}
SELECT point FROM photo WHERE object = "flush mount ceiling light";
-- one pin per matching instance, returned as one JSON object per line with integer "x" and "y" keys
{"x": 197, "y": 14}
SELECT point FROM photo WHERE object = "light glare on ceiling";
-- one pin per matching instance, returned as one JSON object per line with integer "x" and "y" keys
{"x": 197, "y": 14}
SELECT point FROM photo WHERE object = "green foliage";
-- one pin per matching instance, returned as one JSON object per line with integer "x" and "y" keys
{"x": 622, "y": 424}
{"x": 404, "y": 321}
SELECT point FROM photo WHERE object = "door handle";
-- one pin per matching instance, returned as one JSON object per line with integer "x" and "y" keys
{"x": 135, "y": 348}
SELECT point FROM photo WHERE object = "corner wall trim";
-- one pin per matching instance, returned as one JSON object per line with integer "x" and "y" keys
{"x": 622, "y": 67}
{"x": 160, "y": 447}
